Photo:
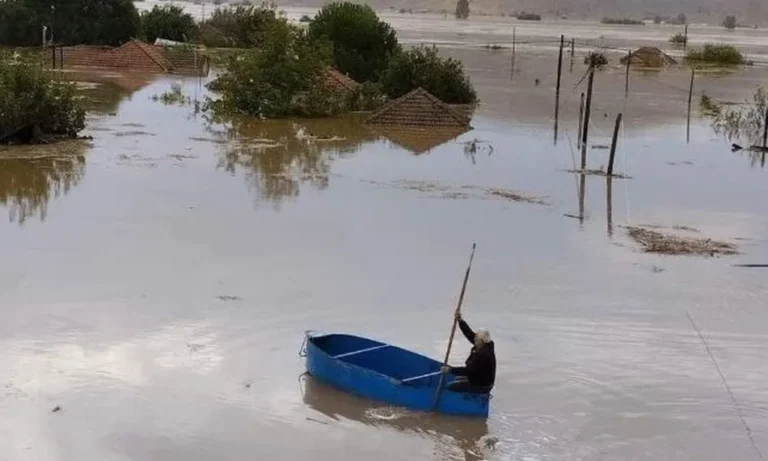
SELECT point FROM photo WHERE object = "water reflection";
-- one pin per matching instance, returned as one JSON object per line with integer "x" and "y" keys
{"x": 420, "y": 140}
{"x": 31, "y": 175}
{"x": 455, "y": 438}
{"x": 279, "y": 155}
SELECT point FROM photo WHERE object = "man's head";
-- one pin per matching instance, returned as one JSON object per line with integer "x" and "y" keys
{"x": 482, "y": 337}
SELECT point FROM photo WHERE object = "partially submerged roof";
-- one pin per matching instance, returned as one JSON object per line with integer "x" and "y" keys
{"x": 338, "y": 81}
{"x": 418, "y": 108}
{"x": 649, "y": 56}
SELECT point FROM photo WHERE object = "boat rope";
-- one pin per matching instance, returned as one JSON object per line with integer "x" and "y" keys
{"x": 727, "y": 387}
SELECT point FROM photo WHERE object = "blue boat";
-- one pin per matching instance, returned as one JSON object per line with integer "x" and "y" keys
{"x": 387, "y": 374}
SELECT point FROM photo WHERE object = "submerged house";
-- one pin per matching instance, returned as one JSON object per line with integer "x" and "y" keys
{"x": 649, "y": 56}
{"x": 419, "y": 122}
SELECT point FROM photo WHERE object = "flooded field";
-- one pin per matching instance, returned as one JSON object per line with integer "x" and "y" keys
{"x": 157, "y": 280}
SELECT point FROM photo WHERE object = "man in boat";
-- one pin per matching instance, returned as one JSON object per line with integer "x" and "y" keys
{"x": 479, "y": 371}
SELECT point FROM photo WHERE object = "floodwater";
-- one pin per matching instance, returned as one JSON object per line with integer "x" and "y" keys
{"x": 156, "y": 283}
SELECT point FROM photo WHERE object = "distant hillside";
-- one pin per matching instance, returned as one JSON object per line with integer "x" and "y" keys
{"x": 748, "y": 12}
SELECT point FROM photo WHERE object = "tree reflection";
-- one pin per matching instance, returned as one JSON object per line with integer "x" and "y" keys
{"x": 30, "y": 177}
{"x": 278, "y": 156}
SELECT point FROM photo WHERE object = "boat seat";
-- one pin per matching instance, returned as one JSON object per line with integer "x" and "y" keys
{"x": 416, "y": 378}
{"x": 367, "y": 349}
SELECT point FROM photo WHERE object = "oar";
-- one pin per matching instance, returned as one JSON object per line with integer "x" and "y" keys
{"x": 453, "y": 328}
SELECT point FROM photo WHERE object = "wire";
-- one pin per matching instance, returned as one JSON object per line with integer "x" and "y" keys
{"x": 736, "y": 405}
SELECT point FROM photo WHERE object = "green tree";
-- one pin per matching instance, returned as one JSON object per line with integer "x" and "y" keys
{"x": 69, "y": 22}
{"x": 462, "y": 9}
{"x": 284, "y": 77}
{"x": 19, "y": 25}
{"x": 242, "y": 26}
{"x": 362, "y": 43}
{"x": 33, "y": 105}
{"x": 169, "y": 22}
{"x": 729, "y": 22}
{"x": 423, "y": 67}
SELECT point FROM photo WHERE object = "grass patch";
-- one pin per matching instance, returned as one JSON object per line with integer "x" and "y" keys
{"x": 721, "y": 54}
{"x": 678, "y": 39}
{"x": 653, "y": 241}
{"x": 622, "y": 21}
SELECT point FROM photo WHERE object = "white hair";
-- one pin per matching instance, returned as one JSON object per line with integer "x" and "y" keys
{"x": 482, "y": 337}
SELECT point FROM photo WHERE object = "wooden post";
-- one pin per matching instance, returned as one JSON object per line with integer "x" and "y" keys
{"x": 690, "y": 100}
{"x": 685, "y": 44}
{"x": 581, "y": 122}
{"x": 582, "y": 196}
{"x": 514, "y": 42}
{"x": 587, "y": 113}
{"x": 765, "y": 131}
{"x": 53, "y": 55}
{"x": 613, "y": 145}
{"x": 61, "y": 57}
{"x": 557, "y": 88}
{"x": 609, "y": 204}
{"x": 573, "y": 53}
{"x": 626, "y": 78}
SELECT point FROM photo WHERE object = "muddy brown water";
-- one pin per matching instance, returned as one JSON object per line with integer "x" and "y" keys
{"x": 159, "y": 284}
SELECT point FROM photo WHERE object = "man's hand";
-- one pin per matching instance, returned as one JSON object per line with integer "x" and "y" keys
{"x": 457, "y": 316}
{"x": 445, "y": 369}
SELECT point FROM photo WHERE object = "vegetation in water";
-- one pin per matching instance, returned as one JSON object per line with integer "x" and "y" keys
{"x": 528, "y": 17}
{"x": 423, "y": 67}
{"x": 305, "y": 18}
{"x": 721, "y": 54}
{"x": 596, "y": 60}
{"x": 33, "y": 106}
{"x": 362, "y": 43}
{"x": 169, "y": 22}
{"x": 284, "y": 77}
{"x": 730, "y": 22}
{"x": 70, "y": 22}
{"x": 462, "y": 9}
{"x": 738, "y": 122}
{"x": 622, "y": 21}
{"x": 242, "y": 26}
{"x": 678, "y": 39}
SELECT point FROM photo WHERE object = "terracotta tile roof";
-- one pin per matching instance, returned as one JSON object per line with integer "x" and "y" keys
{"x": 649, "y": 56}
{"x": 338, "y": 81}
{"x": 154, "y": 54}
{"x": 418, "y": 108}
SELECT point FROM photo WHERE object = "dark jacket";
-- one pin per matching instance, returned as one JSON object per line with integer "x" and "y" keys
{"x": 480, "y": 367}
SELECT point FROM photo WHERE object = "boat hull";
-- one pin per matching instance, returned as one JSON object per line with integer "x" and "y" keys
{"x": 386, "y": 374}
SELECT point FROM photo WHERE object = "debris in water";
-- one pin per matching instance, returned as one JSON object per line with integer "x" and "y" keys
{"x": 515, "y": 196}
{"x": 656, "y": 269}
{"x": 56, "y": 409}
{"x": 600, "y": 172}
{"x": 657, "y": 242}
{"x": 134, "y": 133}
{"x": 229, "y": 298}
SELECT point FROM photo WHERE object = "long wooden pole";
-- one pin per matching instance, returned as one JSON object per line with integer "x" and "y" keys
{"x": 514, "y": 43}
{"x": 453, "y": 328}
{"x": 613, "y": 145}
{"x": 626, "y": 78}
{"x": 690, "y": 99}
{"x": 581, "y": 122}
{"x": 587, "y": 113}
{"x": 557, "y": 89}
{"x": 765, "y": 130}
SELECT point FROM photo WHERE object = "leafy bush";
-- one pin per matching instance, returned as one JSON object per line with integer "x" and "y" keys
{"x": 284, "y": 77}
{"x": 462, "y": 9}
{"x": 93, "y": 22}
{"x": 33, "y": 103}
{"x": 678, "y": 39}
{"x": 740, "y": 121}
{"x": 596, "y": 60}
{"x": 730, "y": 22}
{"x": 528, "y": 17}
{"x": 366, "y": 97}
{"x": 422, "y": 67}
{"x": 622, "y": 21}
{"x": 169, "y": 22}
{"x": 241, "y": 26}
{"x": 727, "y": 55}
{"x": 362, "y": 43}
